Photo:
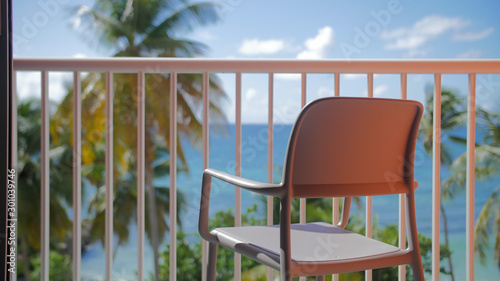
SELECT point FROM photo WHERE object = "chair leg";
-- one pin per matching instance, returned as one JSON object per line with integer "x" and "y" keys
{"x": 212, "y": 261}
{"x": 320, "y": 278}
{"x": 418, "y": 271}
{"x": 285, "y": 276}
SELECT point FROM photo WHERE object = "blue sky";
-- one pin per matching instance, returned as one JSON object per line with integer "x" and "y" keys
{"x": 257, "y": 28}
{"x": 297, "y": 29}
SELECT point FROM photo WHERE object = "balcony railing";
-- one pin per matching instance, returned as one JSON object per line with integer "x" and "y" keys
{"x": 141, "y": 66}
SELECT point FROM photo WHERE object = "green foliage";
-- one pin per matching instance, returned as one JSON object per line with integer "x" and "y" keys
{"x": 133, "y": 29}
{"x": 189, "y": 254}
{"x": 453, "y": 115}
{"x": 60, "y": 267}
{"x": 390, "y": 235}
{"x": 487, "y": 165}
{"x": 29, "y": 178}
{"x": 29, "y": 181}
{"x": 315, "y": 209}
{"x": 225, "y": 257}
{"x": 188, "y": 260}
{"x": 487, "y": 225}
{"x": 426, "y": 253}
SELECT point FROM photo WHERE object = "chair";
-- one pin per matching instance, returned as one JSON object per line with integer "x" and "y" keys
{"x": 339, "y": 147}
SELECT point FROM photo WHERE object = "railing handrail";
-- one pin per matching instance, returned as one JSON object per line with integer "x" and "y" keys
{"x": 199, "y": 65}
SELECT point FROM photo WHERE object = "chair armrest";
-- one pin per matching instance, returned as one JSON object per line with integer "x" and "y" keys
{"x": 270, "y": 189}
{"x": 258, "y": 187}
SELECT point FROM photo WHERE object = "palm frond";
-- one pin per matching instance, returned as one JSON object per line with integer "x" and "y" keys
{"x": 496, "y": 226}
{"x": 484, "y": 225}
{"x": 163, "y": 46}
{"x": 187, "y": 18}
{"x": 98, "y": 24}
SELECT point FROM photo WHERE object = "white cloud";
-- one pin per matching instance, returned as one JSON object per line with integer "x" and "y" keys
{"x": 430, "y": 27}
{"x": 250, "y": 94}
{"x": 470, "y": 54}
{"x": 410, "y": 42}
{"x": 314, "y": 48}
{"x": 28, "y": 85}
{"x": 256, "y": 46}
{"x": 398, "y": 32}
{"x": 254, "y": 106}
{"x": 436, "y": 25}
{"x": 473, "y": 36}
{"x": 377, "y": 91}
{"x": 325, "y": 92}
{"x": 352, "y": 76}
{"x": 419, "y": 52}
{"x": 82, "y": 11}
{"x": 317, "y": 47}
{"x": 380, "y": 90}
{"x": 79, "y": 56}
{"x": 288, "y": 76}
{"x": 286, "y": 111}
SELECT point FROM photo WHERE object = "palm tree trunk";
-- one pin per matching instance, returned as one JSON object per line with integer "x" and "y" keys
{"x": 446, "y": 241}
{"x": 25, "y": 255}
{"x": 115, "y": 251}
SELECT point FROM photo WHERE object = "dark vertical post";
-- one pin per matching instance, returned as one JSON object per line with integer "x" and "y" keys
{"x": 5, "y": 130}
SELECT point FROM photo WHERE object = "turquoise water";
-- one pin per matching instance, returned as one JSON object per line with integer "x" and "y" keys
{"x": 254, "y": 166}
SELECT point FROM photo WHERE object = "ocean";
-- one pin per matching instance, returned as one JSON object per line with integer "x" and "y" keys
{"x": 254, "y": 166}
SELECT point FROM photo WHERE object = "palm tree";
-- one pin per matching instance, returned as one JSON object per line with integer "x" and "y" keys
{"x": 141, "y": 28}
{"x": 452, "y": 116}
{"x": 487, "y": 165}
{"x": 29, "y": 185}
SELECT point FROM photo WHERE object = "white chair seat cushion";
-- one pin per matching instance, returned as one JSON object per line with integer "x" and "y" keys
{"x": 311, "y": 242}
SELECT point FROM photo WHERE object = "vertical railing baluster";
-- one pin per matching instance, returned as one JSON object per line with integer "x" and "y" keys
{"x": 173, "y": 176}
{"x": 205, "y": 161}
{"x": 77, "y": 176}
{"x": 45, "y": 180}
{"x": 141, "y": 123}
{"x": 336, "y": 201}
{"x": 436, "y": 176}
{"x": 302, "y": 104}
{"x": 470, "y": 178}
{"x": 237, "y": 156}
{"x": 270, "y": 125}
{"x": 108, "y": 162}
{"x": 402, "y": 210}
{"x": 369, "y": 199}
{"x": 302, "y": 208}
{"x": 337, "y": 84}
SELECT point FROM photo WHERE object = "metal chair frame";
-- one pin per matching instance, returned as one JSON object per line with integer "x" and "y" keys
{"x": 339, "y": 147}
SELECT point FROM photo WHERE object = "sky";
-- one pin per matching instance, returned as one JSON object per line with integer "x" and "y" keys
{"x": 388, "y": 29}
